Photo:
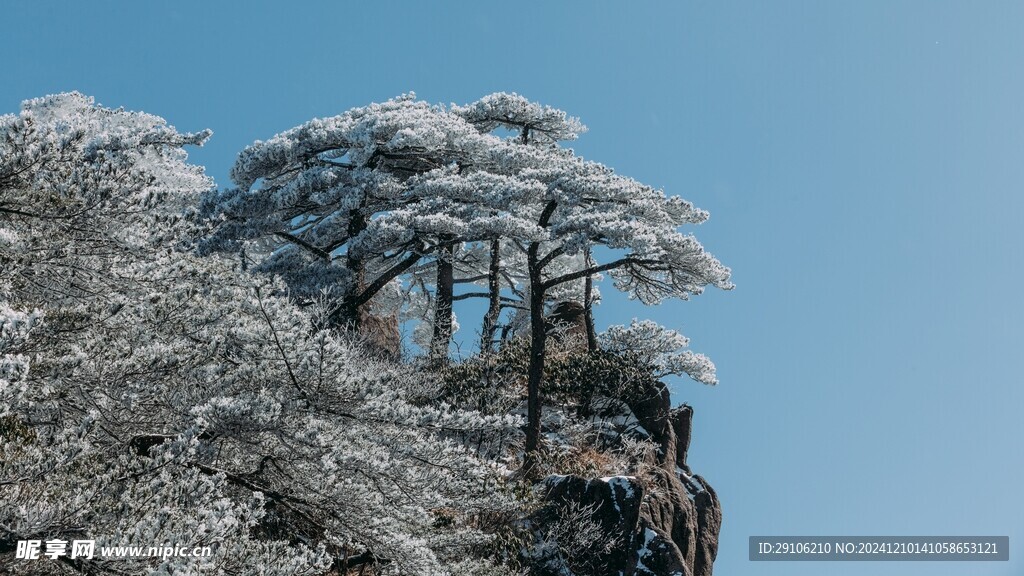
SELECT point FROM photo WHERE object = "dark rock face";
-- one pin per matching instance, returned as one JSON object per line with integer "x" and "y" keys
{"x": 567, "y": 322}
{"x": 682, "y": 424}
{"x": 709, "y": 523}
{"x": 657, "y": 554}
{"x": 670, "y": 529}
{"x": 615, "y": 504}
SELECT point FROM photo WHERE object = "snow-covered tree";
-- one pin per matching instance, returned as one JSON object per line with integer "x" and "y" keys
{"x": 529, "y": 124}
{"x": 152, "y": 396}
{"x": 350, "y": 203}
{"x": 663, "y": 349}
{"x": 588, "y": 205}
{"x": 83, "y": 187}
{"x": 405, "y": 190}
{"x": 585, "y": 210}
{"x": 355, "y": 203}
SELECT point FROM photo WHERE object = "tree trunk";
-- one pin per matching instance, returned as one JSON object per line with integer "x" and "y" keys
{"x": 493, "y": 298}
{"x": 588, "y": 305}
{"x": 538, "y": 339}
{"x": 442, "y": 336}
{"x": 347, "y": 316}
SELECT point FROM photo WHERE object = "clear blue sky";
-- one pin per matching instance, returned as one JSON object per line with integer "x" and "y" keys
{"x": 862, "y": 162}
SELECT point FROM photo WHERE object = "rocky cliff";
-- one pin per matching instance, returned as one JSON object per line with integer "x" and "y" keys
{"x": 664, "y": 521}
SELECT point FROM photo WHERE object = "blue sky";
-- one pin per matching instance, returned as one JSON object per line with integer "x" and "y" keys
{"x": 861, "y": 162}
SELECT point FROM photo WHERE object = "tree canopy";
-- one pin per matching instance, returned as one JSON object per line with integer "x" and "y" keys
{"x": 167, "y": 345}
{"x": 149, "y": 395}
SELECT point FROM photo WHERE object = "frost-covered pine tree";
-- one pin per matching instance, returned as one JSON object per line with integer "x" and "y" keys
{"x": 527, "y": 124}
{"x": 348, "y": 204}
{"x": 84, "y": 188}
{"x": 355, "y": 203}
{"x": 151, "y": 396}
{"x": 583, "y": 209}
{"x": 637, "y": 229}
